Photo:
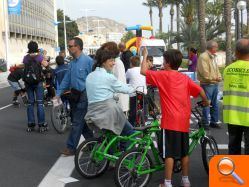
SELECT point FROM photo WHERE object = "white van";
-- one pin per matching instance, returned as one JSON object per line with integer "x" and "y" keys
{"x": 155, "y": 48}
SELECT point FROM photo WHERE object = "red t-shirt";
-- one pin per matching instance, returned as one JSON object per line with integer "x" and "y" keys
{"x": 175, "y": 90}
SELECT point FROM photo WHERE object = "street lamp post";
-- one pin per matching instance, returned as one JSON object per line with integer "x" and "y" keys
{"x": 56, "y": 23}
{"x": 6, "y": 23}
{"x": 56, "y": 29}
{"x": 241, "y": 5}
{"x": 65, "y": 29}
{"x": 86, "y": 10}
{"x": 98, "y": 27}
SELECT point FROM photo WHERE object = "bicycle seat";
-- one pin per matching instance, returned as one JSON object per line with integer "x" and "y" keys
{"x": 144, "y": 128}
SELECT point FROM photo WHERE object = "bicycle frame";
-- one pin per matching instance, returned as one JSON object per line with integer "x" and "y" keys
{"x": 109, "y": 144}
{"x": 143, "y": 101}
{"x": 108, "y": 148}
{"x": 158, "y": 163}
{"x": 195, "y": 137}
{"x": 146, "y": 143}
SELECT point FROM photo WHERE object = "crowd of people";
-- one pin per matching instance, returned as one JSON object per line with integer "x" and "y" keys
{"x": 109, "y": 81}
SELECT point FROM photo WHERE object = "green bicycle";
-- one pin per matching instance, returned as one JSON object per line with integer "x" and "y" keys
{"x": 93, "y": 156}
{"x": 134, "y": 167}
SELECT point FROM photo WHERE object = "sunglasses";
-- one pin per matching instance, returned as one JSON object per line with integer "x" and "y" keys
{"x": 70, "y": 46}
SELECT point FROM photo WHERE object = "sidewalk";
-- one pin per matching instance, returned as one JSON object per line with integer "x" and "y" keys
{"x": 3, "y": 79}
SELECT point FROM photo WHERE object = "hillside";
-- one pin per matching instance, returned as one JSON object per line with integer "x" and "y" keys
{"x": 105, "y": 26}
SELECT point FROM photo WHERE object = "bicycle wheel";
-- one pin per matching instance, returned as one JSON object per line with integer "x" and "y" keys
{"x": 59, "y": 118}
{"x": 84, "y": 160}
{"x": 126, "y": 169}
{"x": 209, "y": 149}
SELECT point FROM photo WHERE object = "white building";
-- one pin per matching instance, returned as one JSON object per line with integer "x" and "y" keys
{"x": 114, "y": 36}
{"x": 36, "y": 22}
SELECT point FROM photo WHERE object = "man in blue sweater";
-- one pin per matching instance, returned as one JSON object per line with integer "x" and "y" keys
{"x": 74, "y": 79}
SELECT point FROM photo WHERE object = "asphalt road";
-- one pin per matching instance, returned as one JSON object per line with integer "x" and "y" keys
{"x": 27, "y": 158}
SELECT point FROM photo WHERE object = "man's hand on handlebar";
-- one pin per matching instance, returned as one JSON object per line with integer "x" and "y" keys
{"x": 205, "y": 103}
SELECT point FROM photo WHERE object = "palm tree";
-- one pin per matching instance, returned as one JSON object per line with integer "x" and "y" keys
{"x": 236, "y": 16}
{"x": 188, "y": 11}
{"x": 228, "y": 16}
{"x": 188, "y": 35}
{"x": 201, "y": 4}
{"x": 171, "y": 17}
{"x": 160, "y": 9}
{"x": 150, "y": 4}
{"x": 247, "y": 9}
{"x": 160, "y": 5}
{"x": 178, "y": 2}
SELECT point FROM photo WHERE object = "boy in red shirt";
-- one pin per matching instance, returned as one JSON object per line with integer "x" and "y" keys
{"x": 175, "y": 90}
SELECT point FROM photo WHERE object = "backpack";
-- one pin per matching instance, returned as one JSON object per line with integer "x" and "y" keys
{"x": 32, "y": 73}
{"x": 12, "y": 68}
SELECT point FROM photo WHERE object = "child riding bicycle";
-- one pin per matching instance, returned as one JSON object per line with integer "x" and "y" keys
{"x": 175, "y": 90}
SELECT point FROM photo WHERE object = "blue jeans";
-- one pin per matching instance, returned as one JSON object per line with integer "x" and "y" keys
{"x": 35, "y": 93}
{"x": 79, "y": 126}
{"x": 128, "y": 129}
{"x": 15, "y": 85}
{"x": 211, "y": 93}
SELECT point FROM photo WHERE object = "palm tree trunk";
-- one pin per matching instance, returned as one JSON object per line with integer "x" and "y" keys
{"x": 151, "y": 20}
{"x": 202, "y": 28}
{"x": 171, "y": 18}
{"x": 178, "y": 21}
{"x": 247, "y": 9}
{"x": 228, "y": 16}
{"x": 160, "y": 9}
{"x": 236, "y": 17}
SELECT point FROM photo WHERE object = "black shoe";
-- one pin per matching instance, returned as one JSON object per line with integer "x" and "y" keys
{"x": 215, "y": 125}
{"x": 15, "y": 102}
{"x": 67, "y": 152}
{"x": 31, "y": 127}
{"x": 43, "y": 127}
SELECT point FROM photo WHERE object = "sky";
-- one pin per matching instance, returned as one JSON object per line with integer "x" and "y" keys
{"x": 128, "y": 12}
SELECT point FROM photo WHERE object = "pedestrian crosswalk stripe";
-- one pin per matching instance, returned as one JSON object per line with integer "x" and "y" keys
{"x": 6, "y": 106}
{"x": 61, "y": 171}
{"x": 68, "y": 180}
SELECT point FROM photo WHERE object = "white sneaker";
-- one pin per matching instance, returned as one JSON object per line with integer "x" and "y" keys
{"x": 163, "y": 185}
{"x": 185, "y": 183}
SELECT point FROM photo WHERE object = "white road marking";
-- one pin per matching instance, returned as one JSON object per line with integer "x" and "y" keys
{"x": 68, "y": 180}
{"x": 225, "y": 146}
{"x": 4, "y": 86}
{"x": 62, "y": 169}
{"x": 222, "y": 146}
{"x": 6, "y": 106}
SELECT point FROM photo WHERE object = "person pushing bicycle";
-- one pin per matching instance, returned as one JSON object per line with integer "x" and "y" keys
{"x": 175, "y": 90}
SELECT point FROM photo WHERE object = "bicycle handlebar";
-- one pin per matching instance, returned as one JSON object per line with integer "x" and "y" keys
{"x": 200, "y": 104}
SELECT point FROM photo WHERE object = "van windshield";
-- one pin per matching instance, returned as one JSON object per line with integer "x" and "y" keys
{"x": 155, "y": 51}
